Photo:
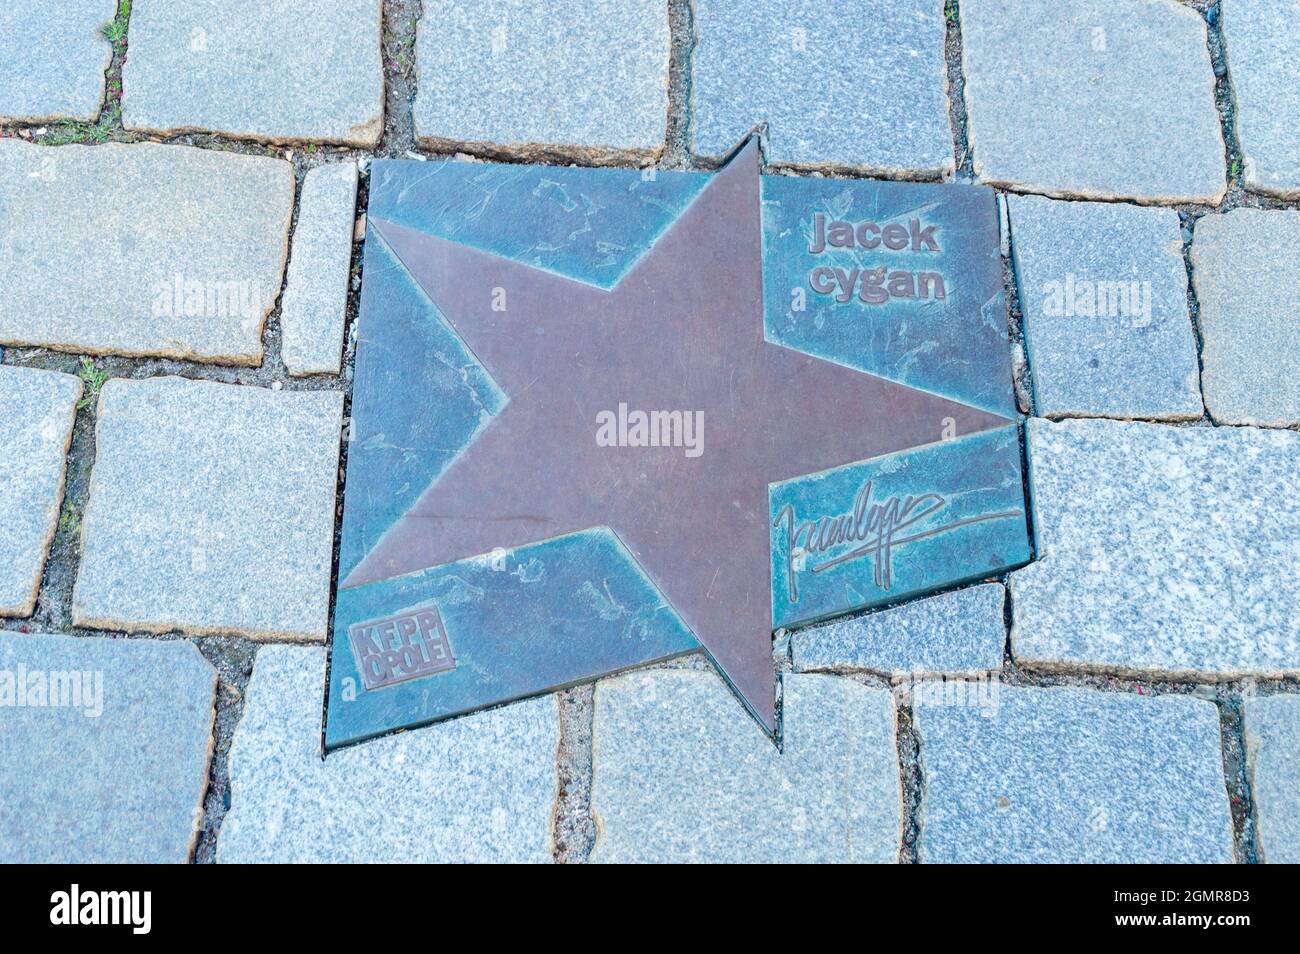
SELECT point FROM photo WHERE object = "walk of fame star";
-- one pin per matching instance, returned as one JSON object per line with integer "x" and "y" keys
{"x": 678, "y": 338}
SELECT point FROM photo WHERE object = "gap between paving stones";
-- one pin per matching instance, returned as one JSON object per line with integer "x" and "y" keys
{"x": 573, "y": 825}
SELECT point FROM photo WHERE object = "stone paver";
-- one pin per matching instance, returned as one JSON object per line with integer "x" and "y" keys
{"x": 1168, "y": 550}
{"x": 1073, "y": 775}
{"x": 211, "y": 510}
{"x": 248, "y": 68}
{"x": 844, "y": 83}
{"x": 141, "y": 249}
{"x": 37, "y": 410}
{"x": 1263, "y": 47}
{"x": 477, "y": 789}
{"x": 1272, "y": 730}
{"x": 52, "y": 59}
{"x": 1103, "y": 291}
{"x": 1092, "y": 99}
{"x": 962, "y": 631}
{"x": 681, "y": 773}
{"x": 104, "y": 748}
{"x": 1248, "y": 286}
{"x": 521, "y": 73}
{"x": 315, "y": 301}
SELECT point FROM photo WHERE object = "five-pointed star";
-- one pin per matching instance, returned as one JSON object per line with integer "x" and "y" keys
{"x": 681, "y": 331}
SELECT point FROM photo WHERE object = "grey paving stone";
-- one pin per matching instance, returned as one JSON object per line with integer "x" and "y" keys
{"x": 1103, "y": 292}
{"x": 52, "y": 59}
{"x": 1272, "y": 729}
{"x": 315, "y": 300}
{"x": 104, "y": 748}
{"x": 1263, "y": 47}
{"x": 1167, "y": 550}
{"x": 141, "y": 249}
{"x": 1075, "y": 776}
{"x": 211, "y": 510}
{"x": 961, "y": 631}
{"x": 476, "y": 789}
{"x": 682, "y": 773}
{"x": 1248, "y": 286}
{"x": 528, "y": 74}
{"x": 37, "y": 410}
{"x": 249, "y": 68}
{"x": 1092, "y": 99}
{"x": 857, "y": 83}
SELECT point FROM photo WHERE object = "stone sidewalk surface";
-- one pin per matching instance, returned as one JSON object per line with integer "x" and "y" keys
{"x": 869, "y": 96}
{"x": 1263, "y": 46}
{"x": 314, "y": 308}
{"x": 1092, "y": 99}
{"x": 1166, "y": 545}
{"x": 1128, "y": 351}
{"x": 142, "y": 249}
{"x": 104, "y": 745}
{"x": 242, "y": 544}
{"x": 35, "y": 430}
{"x": 1244, "y": 266}
{"x": 1162, "y": 550}
{"x": 53, "y": 58}
{"x": 1072, "y": 775}
{"x": 958, "y": 632}
{"x": 1272, "y": 745}
{"x": 272, "y": 71}
{"x": 529, "y": 73}
{"x": 477, "y": 789}
{"x": 683, "y": 774}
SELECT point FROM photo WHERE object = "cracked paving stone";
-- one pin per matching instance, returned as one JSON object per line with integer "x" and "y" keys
{"x": 1066, "y": 775}
{"x": 52, "y": 59}
{"x": 1272, "y": 729}
{"x": 1092, "y": 99}
{"x": 1263, "y": 45}
{"x": 141, "y": 249}
{"x": 682, "y": 773}
{"x": 962, "y": 631}
{"x": 315, "y": 301}
{"x": 39, "y": 409}
{"x": 1248, "y": 286}
{"x": 1161, "y": 550}
{"x": 531, "y": 73}
{"x": 104, "y": 748}
{"x": 476, "y": 789}
{"x": 1103, "y": 291}
{"x": 871, "y": 96}
{"x": 252, "y": 69}
{"x": 211, "y": 510}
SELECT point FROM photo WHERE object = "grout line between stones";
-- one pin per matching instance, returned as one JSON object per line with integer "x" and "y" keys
{"x": 955, "y": 82}
{"x": 677, "y": 133}
{"x": 911, "y": 781}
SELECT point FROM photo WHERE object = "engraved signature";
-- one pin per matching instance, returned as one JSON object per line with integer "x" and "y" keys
{"x": 877, "y": 527}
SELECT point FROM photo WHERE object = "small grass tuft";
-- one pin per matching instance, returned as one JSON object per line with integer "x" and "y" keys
{"x": 69, "y": 520}
{"x": 115, "y": 30}
{"x": 93, "y": 378}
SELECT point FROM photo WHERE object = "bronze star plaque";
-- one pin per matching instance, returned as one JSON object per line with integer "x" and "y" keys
{"x": 577, "y": 441}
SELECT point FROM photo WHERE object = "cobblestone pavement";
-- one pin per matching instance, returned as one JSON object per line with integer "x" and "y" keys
{"x": 181, "y": 187}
